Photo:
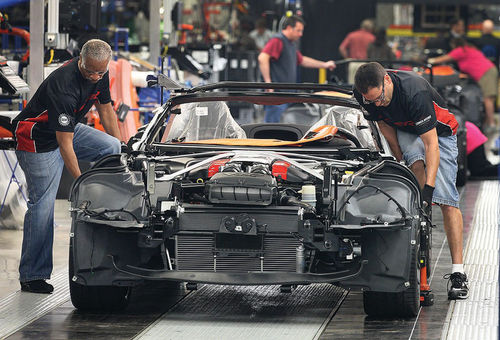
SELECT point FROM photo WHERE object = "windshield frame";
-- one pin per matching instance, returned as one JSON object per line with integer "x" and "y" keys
{"x": 260, "y": 98}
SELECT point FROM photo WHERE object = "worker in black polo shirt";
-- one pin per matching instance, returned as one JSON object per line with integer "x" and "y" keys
{"x": 420, "y": 130}
{"x": 279, "y": 59}
{"x": 49, "y": 135}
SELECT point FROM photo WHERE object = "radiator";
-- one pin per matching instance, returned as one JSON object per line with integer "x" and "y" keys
{"x": 195, "y": 253}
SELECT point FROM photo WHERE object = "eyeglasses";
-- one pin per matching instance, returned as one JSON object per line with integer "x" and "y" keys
{"x": 90, "y": 73}
{"x": 380, "y": 98}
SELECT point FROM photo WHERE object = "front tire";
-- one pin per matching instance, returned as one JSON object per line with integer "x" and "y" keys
{"x": 400, "y": 304}
{"x": 96, "y": 298}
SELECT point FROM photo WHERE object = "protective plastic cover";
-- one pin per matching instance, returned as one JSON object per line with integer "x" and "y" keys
{"x": 204, "y": 120}
{"x": 350, "y": 119}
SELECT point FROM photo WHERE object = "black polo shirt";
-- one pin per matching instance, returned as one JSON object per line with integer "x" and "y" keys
{"x": 416, "y": 107}
{"x": 61, "y": 101}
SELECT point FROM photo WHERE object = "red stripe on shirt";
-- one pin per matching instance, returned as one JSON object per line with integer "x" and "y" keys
{"x": 91, "y": 97}
{"x": 445, "y": 117}
{"x": 24, "y": 129}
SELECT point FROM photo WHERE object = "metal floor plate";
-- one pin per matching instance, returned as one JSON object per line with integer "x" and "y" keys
{"x": 477, "y": 317}
{"x": 249, "y": 312}
{"x": 21, "y": 308}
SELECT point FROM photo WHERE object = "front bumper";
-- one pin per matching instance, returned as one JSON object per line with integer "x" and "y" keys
{"x": 240, "y": 278}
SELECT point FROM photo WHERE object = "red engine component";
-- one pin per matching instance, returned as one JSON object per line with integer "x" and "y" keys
{"x": 280, "y": 169}
{"x": 215, "y": 166}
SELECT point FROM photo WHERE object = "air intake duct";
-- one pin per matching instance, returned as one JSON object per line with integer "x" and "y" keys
{"x": 241, "y": 188}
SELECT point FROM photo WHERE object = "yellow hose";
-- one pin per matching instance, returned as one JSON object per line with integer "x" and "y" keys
{"x": 51, "y": 57}
{"x": 165, "y": 50}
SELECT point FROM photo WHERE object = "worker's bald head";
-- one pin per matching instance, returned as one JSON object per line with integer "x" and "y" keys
{"x": 367, "y": 25}
{"x": 487, "y": 27}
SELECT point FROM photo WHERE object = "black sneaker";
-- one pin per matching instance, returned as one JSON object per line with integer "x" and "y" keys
{"x": 457, "y": 286}
{"x": 37, "y": 286}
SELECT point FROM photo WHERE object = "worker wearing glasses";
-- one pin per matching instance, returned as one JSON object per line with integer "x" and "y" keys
{"x": 420, "y": 130}
{"x": 50, "y": 136}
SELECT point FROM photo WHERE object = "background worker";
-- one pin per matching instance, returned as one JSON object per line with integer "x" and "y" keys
{"x": 473, "y": 62}
{"x": 261, "y": 35}
{"x": 420, "y": 130}
{"x": 279, "y": 59}
{"x": 49, "y": 135}
{"x": 355, "y": 44}
{"x": 457, "y": 30}
{"x": 488, "y": 43}
{"x": 477, "y": 162}
{"x": 379, "y": 49}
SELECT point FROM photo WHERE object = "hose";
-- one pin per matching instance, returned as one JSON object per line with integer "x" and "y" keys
{"x": 51, "y": 57}
{"x": 291, "y": 200}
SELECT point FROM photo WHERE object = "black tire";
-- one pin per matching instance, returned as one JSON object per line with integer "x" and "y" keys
{"x": 426, "y": 246}
{"x": 428, "y": 255}
{"x": 400, "y": 304}
{"x": 96, "y": 298}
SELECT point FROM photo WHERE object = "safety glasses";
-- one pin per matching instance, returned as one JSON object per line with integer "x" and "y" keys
{"x": 379, "y": 99}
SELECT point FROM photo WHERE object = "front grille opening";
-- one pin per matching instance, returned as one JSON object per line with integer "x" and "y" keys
{"x": 197, "y": 253}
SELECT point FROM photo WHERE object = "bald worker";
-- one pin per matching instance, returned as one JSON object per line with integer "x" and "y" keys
{"x": 488, "y": 43}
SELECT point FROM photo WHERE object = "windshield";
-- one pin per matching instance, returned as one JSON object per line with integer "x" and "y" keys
{"x": 228, "y": 122}
{"x": 204, "y": 120}
{"x": 350, "y": 119}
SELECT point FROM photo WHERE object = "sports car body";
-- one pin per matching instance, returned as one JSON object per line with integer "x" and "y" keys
{"x": 200, "y": 199}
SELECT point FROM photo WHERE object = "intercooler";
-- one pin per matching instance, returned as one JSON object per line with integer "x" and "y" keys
{"x": 196, "y": 252}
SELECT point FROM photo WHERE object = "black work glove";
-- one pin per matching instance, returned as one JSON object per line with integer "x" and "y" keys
{"x": 427, "y": 195}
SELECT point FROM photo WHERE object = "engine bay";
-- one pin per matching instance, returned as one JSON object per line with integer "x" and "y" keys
{"x": 237, "y": 208}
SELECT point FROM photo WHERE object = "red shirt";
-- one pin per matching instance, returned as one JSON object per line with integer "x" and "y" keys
{"x": 274, "y": 47}
{"x": 356, "y": 43}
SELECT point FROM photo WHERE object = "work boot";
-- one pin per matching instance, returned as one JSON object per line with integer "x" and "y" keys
{"x": 37, "y": 286}
{"x": 457, "y": 286}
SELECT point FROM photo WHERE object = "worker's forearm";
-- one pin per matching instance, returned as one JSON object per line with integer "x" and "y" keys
{"x": 438, "y": 60}
{"x": 111, "y": 126}
{"x": 343, "y": 51}
{"x": 391, "y": 136}
{"x": 70, "y": 161}
{"x": 431, "y": 145}
{"x": 108, "y": 120}
{"x": 312, "y": 63}
{"x": 65, "y": 141}
{"x": 264, "y": 70}
{"x": 431, "y": 163}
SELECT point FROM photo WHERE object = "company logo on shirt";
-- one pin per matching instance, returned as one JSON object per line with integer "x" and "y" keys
{"x": 420, "y": 122}
{"x": 63, "y": 119}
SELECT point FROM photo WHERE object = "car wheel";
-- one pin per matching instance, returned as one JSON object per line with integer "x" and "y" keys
{"x": 400, "y": 304}
{"x": 428, "y": 250}
{"x": 96, "y": 298}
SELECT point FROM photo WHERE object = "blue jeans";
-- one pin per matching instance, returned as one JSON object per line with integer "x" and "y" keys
{"x": 273, "y": 113}
{"x": 413, "y": 149}
{"x": 43, "y": 173}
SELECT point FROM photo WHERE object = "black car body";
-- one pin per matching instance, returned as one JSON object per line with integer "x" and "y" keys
{"x": 332, "y": 207}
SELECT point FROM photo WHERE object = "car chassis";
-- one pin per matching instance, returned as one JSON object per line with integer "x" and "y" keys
{"x": 233, "y": 214}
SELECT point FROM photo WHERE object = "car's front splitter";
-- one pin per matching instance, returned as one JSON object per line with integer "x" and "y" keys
{"x": 242, "y": 278}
